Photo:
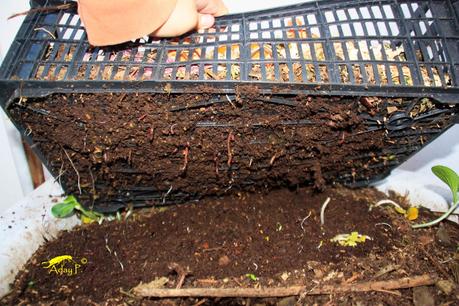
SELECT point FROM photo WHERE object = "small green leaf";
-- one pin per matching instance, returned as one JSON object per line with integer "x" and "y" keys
{"x": 91, "y": 214}
{"x": 63, "y": 210}
{"x": 449, "y": 177}
{"x": 252, "y": 277}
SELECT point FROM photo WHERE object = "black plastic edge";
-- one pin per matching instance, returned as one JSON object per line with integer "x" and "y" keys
{"x": 44, "y": 88}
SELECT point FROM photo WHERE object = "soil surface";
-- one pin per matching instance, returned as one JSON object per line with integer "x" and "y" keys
{"x": 111, "y": 150}
{"x": 276, "y": 237}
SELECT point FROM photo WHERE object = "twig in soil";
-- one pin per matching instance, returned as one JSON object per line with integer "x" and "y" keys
{"x": 384, "y": 223}
{"x": 126, "y": 293}
{"x": 200, "y": 302}
{"x": 382, "y": 286}
{"x": 303, "y": 295}
{"x": 44, "y": 9}
{"x": 435, "y": 263}
{"x": 113, "y": 253}
{"x": 74, "y": 168}
{"x": 387, "y": 269}
{"x": 28, "y": 131}
{"x": 166, "y": 194}
{"x": 61, "y": 172}
{"x": 274, "y": 157}
{"x": 151, "y": 134}
{"x": 230, "y": 102}
{"x": 216, "y": 163}
{"x": 107, "y": 247}
{"x": 181, "y": 272}
{"x": 129, "y": 212}
{"x": 130, "y": 157}
{"x": 93, "y": 188}
{"x": 212, "y": 249}
{"x": 119, "y": 261}
{"x": 228, "y": 144}
{"x": 353, "y": 278}
{"x": 46, "y": 31}
{"x": 322, "y": 211}
{"x": 171, "y": 129}
{"x": 397, "y": 293}
{"x": 185, "y": 153}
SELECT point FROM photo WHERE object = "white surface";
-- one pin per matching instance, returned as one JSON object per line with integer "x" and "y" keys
{"x": 15, "y": 180}
{"x": 24, "y": 228}
{"x": 11, "y": 188}
{"x": 239, "y": 6}
{"x": 415, "y": 178}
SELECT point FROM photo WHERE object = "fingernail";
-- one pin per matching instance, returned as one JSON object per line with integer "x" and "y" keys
{"x": 206, "y": 21}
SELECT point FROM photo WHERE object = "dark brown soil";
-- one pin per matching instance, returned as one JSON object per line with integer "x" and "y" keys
{"x": 150, "y": 149}
{"x": 220, "y": 241}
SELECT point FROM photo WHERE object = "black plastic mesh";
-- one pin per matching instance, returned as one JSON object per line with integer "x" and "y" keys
{"x": 391, "y": 48}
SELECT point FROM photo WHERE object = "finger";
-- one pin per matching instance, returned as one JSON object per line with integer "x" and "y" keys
{"x": 184, "y": 18}
{"x": 212, "y": 7}
{"x": 205, "y": 21}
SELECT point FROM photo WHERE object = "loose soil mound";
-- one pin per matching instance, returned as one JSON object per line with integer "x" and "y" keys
{"x": 275, "y": 236}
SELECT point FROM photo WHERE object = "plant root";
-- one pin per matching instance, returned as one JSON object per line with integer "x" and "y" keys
{"x": 181, "y": 272}
{"x": 228, "y": 145}
{"x": 74, "y": 168}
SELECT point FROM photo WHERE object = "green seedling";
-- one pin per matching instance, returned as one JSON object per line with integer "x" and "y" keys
{"x": 450, "y": 178}
{"x": 252, "y": 277}
{"x": 70, "y": 205}
{"x": 411, "y": 213}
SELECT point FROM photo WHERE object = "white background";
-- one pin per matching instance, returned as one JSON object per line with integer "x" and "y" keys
{"x": 15, "y": 181}
{"x": 413, "y": 176}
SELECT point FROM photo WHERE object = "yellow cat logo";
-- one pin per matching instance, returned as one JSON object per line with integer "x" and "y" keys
{"x": 64, "y": 264}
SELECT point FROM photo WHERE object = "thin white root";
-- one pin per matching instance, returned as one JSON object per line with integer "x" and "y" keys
{"x": 74, "y": 168}
{"x": 230, "y": 102}
{"x": 45, "y": 30}
{"x": 384, "y": 223}
{"x": 304, "y": 220}
{"x": 322, "y": 211}
{"x": 384, "y": 202}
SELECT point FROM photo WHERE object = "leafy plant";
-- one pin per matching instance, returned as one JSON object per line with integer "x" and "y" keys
{"x": 69, "y": 206}
{"x": 450, "y": 178}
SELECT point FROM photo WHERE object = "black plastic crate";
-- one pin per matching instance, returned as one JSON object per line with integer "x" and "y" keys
{"x": 335, "y": 48}
{"x": 396, "y": 48}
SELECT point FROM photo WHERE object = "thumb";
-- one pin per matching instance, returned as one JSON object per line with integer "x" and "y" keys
{"x": 182, "y": 19}
{"x": 205, "y": 21}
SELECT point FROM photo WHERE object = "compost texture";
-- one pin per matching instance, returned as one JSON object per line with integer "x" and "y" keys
{"x": 145, "y": 149}
{"x": 277, "y": 237}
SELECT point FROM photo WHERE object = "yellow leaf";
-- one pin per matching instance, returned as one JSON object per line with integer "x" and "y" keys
{"x": 412, "y": 213}
{"x": 350, "y": 239}
{"x": 86, "y": 220}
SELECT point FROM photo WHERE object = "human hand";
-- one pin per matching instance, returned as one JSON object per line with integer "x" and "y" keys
{"x": 189, "y": 15}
